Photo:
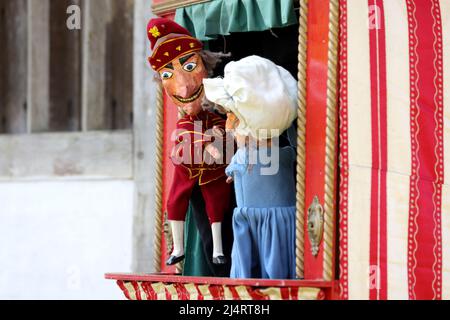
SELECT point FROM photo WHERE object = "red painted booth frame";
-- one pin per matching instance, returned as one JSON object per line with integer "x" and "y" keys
{"x": 316, "y": 179}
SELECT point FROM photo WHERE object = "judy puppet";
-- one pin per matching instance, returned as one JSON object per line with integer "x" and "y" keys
{"x": 260, "y": 100}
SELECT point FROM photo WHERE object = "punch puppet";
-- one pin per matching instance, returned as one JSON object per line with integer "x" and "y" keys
{"x": 177, "y": 57}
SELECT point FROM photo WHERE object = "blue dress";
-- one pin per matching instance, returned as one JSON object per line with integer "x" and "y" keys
{"x": 264, "y": 220}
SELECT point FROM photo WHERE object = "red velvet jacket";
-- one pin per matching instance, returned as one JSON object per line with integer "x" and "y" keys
{"x": 192, "y": 135}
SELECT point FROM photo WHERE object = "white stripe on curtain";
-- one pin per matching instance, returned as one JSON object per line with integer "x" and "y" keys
{"x": 399, "y": 146}
{"x": 360, "y": 149}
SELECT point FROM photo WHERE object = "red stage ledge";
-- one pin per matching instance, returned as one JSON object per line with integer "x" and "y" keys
{"x": 174, "y": 278}
{"x": 163, "y": 286}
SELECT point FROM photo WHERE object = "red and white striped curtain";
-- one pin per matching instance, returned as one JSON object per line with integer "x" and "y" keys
{"x": 394, "y": 149}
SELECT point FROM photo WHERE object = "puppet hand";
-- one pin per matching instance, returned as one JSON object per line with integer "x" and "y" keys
{"x": 230, "y": 180}
{"x": 213, "y": 151}
{"x": 218, "y": 132}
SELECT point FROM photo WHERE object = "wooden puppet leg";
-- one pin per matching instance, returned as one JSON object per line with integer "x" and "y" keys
{"x": 178, "y": 238}
{"x": 216, "y": 229}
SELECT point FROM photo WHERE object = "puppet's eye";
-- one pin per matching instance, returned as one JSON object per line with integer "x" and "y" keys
{"x": 166, "y": 75}
{"x": 190, "y": 66}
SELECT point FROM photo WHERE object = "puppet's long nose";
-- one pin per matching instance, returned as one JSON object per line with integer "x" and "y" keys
{"x": 186, "y": 86}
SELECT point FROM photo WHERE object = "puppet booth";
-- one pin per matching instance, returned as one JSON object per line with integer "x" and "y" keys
{"x": 370, "y": 140}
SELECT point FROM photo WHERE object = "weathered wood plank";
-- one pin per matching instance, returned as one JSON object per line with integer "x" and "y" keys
{"x": 38, "y": 65}
{"x": 3, "y": 63}
{"x": 14, "y": 66}
{"x": 144, "y": 101}
{"x": 65, "y": 70}
{"x": 96, "y": 16}
{"x": 93, "y": 155}
{"x": 119, "y": 65}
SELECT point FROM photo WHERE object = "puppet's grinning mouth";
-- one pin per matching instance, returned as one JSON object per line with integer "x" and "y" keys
{"x": 192, "y": 98}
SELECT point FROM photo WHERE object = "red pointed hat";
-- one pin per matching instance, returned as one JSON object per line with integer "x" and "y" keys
{"x": 169, "y": 41}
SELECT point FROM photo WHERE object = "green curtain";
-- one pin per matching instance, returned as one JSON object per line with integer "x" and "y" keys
{"x": 195, "y": 262}
{"x": 221, "y": 17}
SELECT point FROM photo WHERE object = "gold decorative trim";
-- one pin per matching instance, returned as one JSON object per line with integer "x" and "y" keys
{"x": 330, "y": 145}
{"x": 172, "y": 291}
{"x": 309, "y": 293}
{"x": 204, "y": 290}
{"x": 301, "y": 134}
{"x": 272, "y": 293}
{"x": 160, "y": 291}
{"x": 131, "y": 290}
{"x": 142, "y": 291}
{"x": 159, "y": 177}
{"x": 171, "y": 5}
{"x": 315, "y": 225}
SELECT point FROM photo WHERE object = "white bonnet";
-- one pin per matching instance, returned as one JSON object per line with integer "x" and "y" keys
{"x": 261, "y": 94}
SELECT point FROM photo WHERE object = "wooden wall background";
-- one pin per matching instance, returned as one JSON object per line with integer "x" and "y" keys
{"x": 53, "y": 79}
{"x": 80, "y": 104}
